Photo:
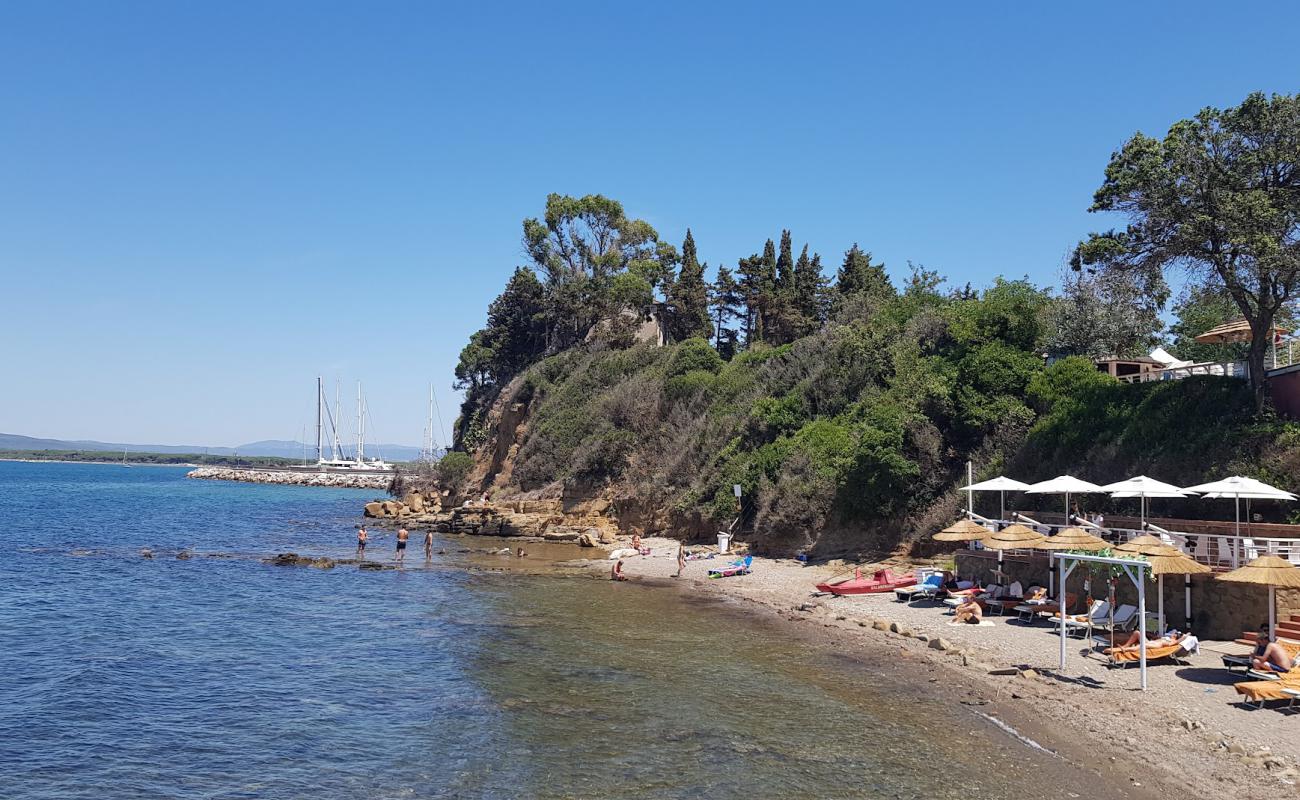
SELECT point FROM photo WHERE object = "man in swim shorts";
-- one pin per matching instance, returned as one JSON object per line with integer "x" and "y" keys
{"x": 401, "y": 543}
{"x": 361, "y": 541}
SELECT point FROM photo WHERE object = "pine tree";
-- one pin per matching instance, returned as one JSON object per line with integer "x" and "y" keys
{"x": 859, "y": 278}
{"x": 785, "y": 264}
{"x": 727, "y": 300}
{"x": 688, "y": 296}
{"x": 758, "y": 286}
{"x": 806, "y": 294}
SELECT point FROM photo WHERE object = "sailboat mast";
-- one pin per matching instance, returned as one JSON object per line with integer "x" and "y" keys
{"x": 361, "y": 427}
{"x": 338, "y": 409}
{"x": 319, "y": 391}
{"x": 430, "y": 426}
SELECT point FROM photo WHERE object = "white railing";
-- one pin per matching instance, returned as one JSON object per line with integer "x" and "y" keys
{"x": 1215, "y": 550}
{"x": 1228, "y": 369}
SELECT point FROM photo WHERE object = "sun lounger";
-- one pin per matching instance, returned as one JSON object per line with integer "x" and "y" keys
{"x": 1123, "y": 656}
{"x": 1231, "y": 662}
{"x": 1030, "y": 611}
{"x": 927, "y": 589}
{"x": 1259, "y": 692}
{"x": 1084, "y": 623}
{"x": 735, "y": 568}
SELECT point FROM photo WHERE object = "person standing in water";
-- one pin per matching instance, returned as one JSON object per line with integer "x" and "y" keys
{"x": 401, "y": 543}
{"x": 361, "y": 541}
{"x": 428, "y": 545}
{"x": 681, "y": 559}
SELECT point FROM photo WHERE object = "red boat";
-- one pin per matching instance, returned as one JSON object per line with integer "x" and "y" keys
{"x": 883, "y": 581}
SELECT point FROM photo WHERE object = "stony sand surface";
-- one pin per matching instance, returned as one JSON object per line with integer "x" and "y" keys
{"x": 1186, "y": 729}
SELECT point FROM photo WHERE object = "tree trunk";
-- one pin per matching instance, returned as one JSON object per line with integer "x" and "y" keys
{"x": 1261, "y": 337}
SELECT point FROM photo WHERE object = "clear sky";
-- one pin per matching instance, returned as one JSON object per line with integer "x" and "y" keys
{"x": 205, "y": 205}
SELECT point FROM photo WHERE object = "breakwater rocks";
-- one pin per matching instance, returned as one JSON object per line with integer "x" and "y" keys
{"x": 331, "y": 479}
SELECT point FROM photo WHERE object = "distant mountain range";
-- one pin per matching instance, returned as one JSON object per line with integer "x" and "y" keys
{"x": 267, "y": 447}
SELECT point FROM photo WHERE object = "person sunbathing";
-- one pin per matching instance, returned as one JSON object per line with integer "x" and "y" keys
{"x": 968, "y": 613}
{"x": 1275, "y": 658}
{"x": 1154, "y": 640}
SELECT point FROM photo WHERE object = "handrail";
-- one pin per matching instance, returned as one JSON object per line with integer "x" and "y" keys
{"x": 1215, "y": 550}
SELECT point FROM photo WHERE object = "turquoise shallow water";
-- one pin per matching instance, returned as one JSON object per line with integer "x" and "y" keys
{"x": 222, "y": 677}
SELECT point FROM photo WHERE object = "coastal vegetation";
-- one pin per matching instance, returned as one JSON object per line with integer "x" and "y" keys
{"x": 846, "y": 407}
{"x": 103, "y": 456}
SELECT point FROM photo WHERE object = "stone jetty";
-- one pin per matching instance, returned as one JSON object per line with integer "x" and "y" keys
{"x": 331, "y": 479}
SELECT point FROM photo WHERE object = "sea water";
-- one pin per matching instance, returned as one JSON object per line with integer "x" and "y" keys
{"x": 219, "y": 676}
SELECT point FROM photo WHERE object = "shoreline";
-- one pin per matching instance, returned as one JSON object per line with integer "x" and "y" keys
{"x": 1168, "y": 737}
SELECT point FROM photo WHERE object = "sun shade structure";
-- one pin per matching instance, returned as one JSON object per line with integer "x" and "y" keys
{"x": 1269, "y": 571}
{"x": 1239, "y": 488}
{"x": 1147, "y": 545}
{"x": 1072, "y": 539}
{"x": 1237, "y": 330}
{"x": 963, "y": 530}
{"x": 1012, "y": 537}
{"x": 1001, "y": 484}
{"x": 1144, "y": 487}
{"x": 1066, "y": 485}
{"x": 1166, "y": 560}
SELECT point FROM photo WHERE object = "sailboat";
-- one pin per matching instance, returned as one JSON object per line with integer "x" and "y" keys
{"x": 124, "y": 458}
{"x": 338, "y": 461}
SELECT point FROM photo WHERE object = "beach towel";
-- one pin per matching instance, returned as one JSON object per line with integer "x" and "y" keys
{"x": 1263, "y": 691}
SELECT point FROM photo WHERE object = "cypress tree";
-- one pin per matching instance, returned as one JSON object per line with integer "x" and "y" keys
{"x": 688, "y": 297}
{"x": 727, "y": 300}
{"x": 858, "y": 274}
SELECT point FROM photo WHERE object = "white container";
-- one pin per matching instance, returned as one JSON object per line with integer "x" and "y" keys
{"x": 724, "y": 542}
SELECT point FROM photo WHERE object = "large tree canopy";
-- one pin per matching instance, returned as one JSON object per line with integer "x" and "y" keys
{"x": 1220, "y": 197}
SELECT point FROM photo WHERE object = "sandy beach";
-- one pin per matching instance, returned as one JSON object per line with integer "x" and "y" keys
{"x": 1187, "y": 730}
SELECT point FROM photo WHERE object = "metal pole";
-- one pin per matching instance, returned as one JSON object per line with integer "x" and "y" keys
{"x": 1060, "y": 567}
{"x": 1272, "y": 614}
{"x": 1187, "y": 600}
{"x": 970, "y": 481}
{"x": 1160, "y": 604}
{"x": 319, "y": 390}
{"x": 1142, "y": 624}
{"x": 1236, "y": 542}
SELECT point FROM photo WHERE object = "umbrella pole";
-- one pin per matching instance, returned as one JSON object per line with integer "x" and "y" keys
{"x": 1160, "y": 604}
{"x": 1236, "y": 541}
{"x": 1187, "y": 601}
{"x": 1002, "y": 507}
{"x": 1272, "y": 614}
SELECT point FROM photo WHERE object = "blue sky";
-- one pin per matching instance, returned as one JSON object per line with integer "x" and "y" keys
{"x": 203, "y": 206}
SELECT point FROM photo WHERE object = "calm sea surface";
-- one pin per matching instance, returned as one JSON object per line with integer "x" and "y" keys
{"x": 222, "y": 677}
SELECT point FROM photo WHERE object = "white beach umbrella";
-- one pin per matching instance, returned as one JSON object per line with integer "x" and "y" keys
{"x": 1001, "y": 484}
{"x": 1066, "y": 485}
{"x": 1239, "y": 488}
{"x": 1144, "y": 487}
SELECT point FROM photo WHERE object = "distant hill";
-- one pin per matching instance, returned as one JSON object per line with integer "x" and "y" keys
{"x": 267, "y": 447}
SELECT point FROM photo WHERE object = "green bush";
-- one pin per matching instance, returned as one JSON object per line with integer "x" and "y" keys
{"x": 694, "y": 355}
{"x": 453, "y": 467}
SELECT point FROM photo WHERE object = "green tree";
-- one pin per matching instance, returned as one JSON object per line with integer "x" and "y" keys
{"x": 1219, "y": 196}
{"x": 516, "y": 329}
{"x": 727, "y": 301}
{"x": 809, "y": 293}
{"x": 579, "y": 246}
{"x": 1105, "y": 313}
{"x": 688, "y": 297}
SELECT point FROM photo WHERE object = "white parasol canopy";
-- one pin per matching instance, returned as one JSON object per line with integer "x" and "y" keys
{"x": 1066, "y": 485}
{"x": 1239, "y": 488}
{"x": 1144, "y": 487}
{"x": 1001, "y": 484}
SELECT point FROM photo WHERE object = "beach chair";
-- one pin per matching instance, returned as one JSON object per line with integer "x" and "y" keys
{"x": 1031, "y": 611}
{"x": 741, "y": 567}
{"x": 1259, "y": 692}
{"x": 927, "y": 589}
{"x": 1174, "y": 651}
{"x": 1083, "y": 623}
{"x": 1225, "y": 549}
{"x": 1201, "y": 550}
{"x": 1250, "y": 549}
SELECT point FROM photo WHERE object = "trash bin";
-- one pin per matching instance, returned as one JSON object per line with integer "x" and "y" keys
{"x": 724, "y": 541}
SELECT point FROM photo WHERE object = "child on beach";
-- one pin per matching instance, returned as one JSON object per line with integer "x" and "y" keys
{"x": 616, "y": 574}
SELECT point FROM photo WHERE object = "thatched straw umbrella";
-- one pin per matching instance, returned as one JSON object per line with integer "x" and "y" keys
{"x": 963, "y": 530}
{"x": 1165, "y": 560}
{"x": 1012, "y": 537}
{"x": 1269, "y": 571}
{"x": 1072, "y": 539}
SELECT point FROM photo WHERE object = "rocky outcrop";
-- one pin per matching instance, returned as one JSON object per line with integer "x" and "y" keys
{"x": 286, "y": 477}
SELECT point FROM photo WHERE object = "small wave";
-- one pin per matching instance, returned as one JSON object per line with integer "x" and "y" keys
{"x": 1015, "y": 734}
